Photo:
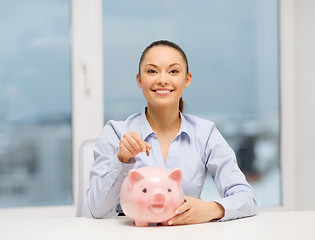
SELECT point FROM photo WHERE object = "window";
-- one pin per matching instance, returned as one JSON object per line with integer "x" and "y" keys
{"x": 232, "y": 47}
{"x": 35, "y": 100}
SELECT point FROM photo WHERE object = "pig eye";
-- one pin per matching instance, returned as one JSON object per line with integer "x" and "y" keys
{"x": 169, "y": 190}
{"x": 144, "y": 190}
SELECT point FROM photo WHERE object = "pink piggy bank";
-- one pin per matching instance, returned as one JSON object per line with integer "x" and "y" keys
{"x": 151, "y": 194}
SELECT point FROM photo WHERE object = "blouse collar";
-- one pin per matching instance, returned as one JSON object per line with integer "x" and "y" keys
{"x": 146, "y": 130}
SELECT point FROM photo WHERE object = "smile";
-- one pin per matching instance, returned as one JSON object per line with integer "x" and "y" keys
{"x": 163, "y": 91}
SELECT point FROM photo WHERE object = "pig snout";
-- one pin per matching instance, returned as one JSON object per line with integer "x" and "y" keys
{"x": 158, "y": 198}
{"x": 158, "y": 202}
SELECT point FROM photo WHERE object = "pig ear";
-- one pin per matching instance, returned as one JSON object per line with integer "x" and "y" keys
{"x": 177, "y": 176}
{"x": 134, "y": 176}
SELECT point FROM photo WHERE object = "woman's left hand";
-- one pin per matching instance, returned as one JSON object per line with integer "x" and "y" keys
{"x": 195, "y": 210}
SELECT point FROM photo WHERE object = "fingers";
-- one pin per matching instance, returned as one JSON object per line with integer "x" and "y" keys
{"x": 184, "y": 207}
{"x": 131, "y": 145}
{"x": 137, "y": 143}
{"x": 133, "y": 142}
{"x": 146, "y": 148}
{"x": 195, "y": 210}
{"x": 128, "y": 146}
{"x": 182, "y": 213}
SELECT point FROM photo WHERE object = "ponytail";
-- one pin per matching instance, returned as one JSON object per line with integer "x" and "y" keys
{"x": 181, "y": 105}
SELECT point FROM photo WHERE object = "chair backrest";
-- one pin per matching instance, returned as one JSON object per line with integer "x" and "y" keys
{"x": 85, "y": 161}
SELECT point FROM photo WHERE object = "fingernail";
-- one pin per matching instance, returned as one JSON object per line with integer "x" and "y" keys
{"x": 170, "y": 222}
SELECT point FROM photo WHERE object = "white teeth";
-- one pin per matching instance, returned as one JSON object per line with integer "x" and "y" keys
{"x": 162, "y": 91}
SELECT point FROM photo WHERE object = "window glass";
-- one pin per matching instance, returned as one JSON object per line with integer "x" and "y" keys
{"x": 35, "y": 112}
{"x": 232, "y": 48}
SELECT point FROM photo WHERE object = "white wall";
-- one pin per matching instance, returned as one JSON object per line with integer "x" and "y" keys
{"x": 297, "y": 103}
{"x": 305, "y": 104}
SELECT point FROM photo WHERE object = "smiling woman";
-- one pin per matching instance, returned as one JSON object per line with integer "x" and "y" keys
{"x": 233, "y": 56}
{"x": 176, "y": 140}
{"x": 173, "y": 70}
{"x": 161, "y": 73}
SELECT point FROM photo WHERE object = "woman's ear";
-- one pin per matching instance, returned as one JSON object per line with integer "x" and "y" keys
{"x": 188, "y": 79}
{"x": 139, "y": 80}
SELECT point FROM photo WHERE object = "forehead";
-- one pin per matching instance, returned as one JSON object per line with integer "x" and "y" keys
{"x": 164, "y": 53}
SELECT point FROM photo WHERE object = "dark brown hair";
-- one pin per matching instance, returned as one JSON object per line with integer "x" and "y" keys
{"x": 172, "y": 45}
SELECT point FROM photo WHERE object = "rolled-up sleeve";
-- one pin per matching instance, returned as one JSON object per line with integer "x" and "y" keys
{"x": 106, "y": 174}
{"x": 237, "y": 196}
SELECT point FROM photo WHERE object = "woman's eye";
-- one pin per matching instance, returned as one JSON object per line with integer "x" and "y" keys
{"x": 174, "y": 71}
{"x": 151, "y": 71}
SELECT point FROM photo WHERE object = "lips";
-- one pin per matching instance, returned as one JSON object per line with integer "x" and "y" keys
{"x": 163, "y": 91}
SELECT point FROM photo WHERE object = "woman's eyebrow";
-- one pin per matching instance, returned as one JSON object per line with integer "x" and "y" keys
{"x": 174, "y": 64}
{"x": 150, "y": 64}
{"x": 153, "y": 65}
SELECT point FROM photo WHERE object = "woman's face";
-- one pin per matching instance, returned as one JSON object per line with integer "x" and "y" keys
{"x": 163, "y": 76}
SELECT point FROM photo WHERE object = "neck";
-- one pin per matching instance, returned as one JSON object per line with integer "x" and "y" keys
{"x": 163, "y": 119}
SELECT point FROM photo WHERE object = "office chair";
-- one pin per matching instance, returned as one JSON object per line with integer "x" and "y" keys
{"x": 85, "y": 161}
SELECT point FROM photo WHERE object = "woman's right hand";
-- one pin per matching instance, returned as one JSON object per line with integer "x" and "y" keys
{"x": 131, "y": 145}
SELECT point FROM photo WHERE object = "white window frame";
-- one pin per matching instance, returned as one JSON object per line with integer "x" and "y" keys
{"x": 288, "y": 102}
{"x": 87, "y": 76}
{"x": 87, "y": 95}
{"x": 88, "y": 104}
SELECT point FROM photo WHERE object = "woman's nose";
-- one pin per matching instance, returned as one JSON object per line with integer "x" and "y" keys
{"x": 163, "y": 79}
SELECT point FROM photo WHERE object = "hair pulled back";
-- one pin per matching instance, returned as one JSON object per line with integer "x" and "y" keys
{"x": 174, "y": 46}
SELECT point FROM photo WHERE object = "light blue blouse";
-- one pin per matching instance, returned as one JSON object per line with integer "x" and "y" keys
{"x": 197, "y": 148}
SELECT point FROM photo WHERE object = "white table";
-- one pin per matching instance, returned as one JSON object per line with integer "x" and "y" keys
{"x": 266, "y": 225}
